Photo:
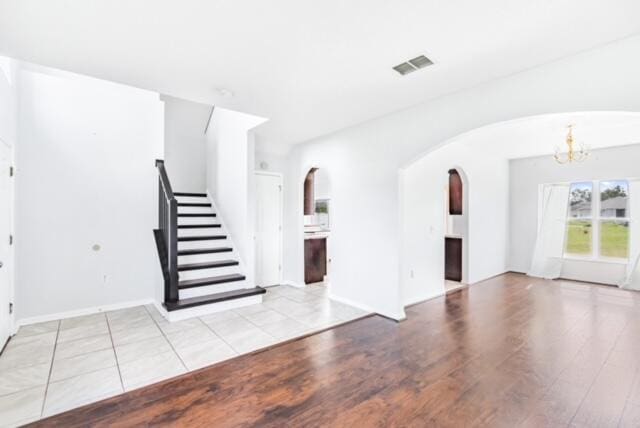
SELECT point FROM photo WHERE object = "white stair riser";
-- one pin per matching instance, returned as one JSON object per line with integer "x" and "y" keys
{"x": 206, "y": 273}
{"x": 210, "y": 243}
{"x": 193, "y": 199}
{"x": 201, "y": 258}
{"x": 211, "y": 289}
{"x": 195, "y": 210}
{"x": 198, "y": 311}
{"x": 198, "y": 220}
{"x": 201, "y": 231}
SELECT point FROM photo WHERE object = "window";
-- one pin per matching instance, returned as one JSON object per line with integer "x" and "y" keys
{"x": 614, "y": 224}
{"x": 598, "y": 227}
{"x": 579, "y": 239}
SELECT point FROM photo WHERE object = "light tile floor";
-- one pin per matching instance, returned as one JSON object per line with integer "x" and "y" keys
{"x": 55, "y": 366}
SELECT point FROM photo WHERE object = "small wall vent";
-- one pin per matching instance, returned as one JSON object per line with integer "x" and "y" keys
{"x": 413, "y": 64}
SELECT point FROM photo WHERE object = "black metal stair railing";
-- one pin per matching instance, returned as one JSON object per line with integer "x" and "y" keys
{"x": 167, "y": 234}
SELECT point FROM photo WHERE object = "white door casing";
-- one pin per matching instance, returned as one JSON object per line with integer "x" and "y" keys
{"x": 268, "y": 229}
{"x": 6, "y": 205}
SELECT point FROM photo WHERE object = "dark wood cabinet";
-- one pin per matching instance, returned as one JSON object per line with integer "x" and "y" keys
{"x": 453, "y": 259}
{"x": 315, "y": 260}
{"x": 455, "y": 193}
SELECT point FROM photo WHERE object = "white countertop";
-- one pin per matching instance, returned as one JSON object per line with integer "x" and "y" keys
{"x": 316, "y": 235}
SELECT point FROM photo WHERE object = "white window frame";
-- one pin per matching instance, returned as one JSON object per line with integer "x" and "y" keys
{"x": 596, "y": 219}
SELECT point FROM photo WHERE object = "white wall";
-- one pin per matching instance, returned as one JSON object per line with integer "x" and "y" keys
{"x": 526, "y": 175}
{"x": 230, "y": 178}
{"x": 321, "y": 185}
{"x": 8, "y": 100}
{"x": 269, "y": 161}
{"x": 85, "y": 176}
{"x": 363, "y": 161}
{"x": 423, "y": 209}
{"x": 185, "y": 144}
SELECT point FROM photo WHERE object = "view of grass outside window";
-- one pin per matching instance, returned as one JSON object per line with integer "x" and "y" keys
{"x": 614, "y": 205}
{"x": 606, "y": 218}
{"x": 579, "y": 237}
{"x": 614, "y": 239}
{"x": 579, "y": 240}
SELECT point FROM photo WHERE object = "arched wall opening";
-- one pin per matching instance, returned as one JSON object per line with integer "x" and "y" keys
{"x": 316, "y": 211}
{"x": 366, "y": 160}
{"x": 456, "y": 204}
{"x": 424, "y": 219}
{"x": 503, "y": 211}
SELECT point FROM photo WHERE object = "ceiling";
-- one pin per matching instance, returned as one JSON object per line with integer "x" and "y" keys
{"x": 539, "y": 135}
{"x": 310, "y": 67}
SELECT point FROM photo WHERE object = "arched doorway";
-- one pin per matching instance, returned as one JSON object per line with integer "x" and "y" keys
{"x": 456, "y": 229}
{"x": 317, "y": 226}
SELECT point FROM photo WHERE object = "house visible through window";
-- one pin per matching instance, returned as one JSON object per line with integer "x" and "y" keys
{"x": 598, "y": 227}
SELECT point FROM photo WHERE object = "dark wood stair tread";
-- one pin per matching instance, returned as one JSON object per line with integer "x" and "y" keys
{"x": 213, "y": 298}
{"x": 201, "y": 282}
{"x": 193, "y": 204}
{"x": 208, "y": 265}
{"x": 196, "y": 215}
{"x": 195, "y": 195}
{"x": 195, "y": 251}
{"x": 201, "y": 238}
{"x": 197, "y": 226}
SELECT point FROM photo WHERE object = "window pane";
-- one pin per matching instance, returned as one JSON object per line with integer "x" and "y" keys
{"x": 614, "y": 239}
{"x": 614, "y": 199}
{"x": 580, "y": 200}
{"x": 579, "y": 234}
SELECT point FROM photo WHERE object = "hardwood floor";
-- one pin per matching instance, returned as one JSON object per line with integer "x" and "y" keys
{"x": 513, "y": 351}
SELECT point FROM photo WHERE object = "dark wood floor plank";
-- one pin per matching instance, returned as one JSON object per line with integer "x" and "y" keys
{"x": 512, "y": 351}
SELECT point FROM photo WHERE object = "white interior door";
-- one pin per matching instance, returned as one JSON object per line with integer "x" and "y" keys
{"x": 268, "y": 229}
{"x": 6, "y": 202}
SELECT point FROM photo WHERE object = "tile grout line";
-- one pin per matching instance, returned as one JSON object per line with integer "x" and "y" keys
{"x": 81, "y": 338}
{"x": 167, "y": 339}
{"x": 310, "y": 329}
{"x": 248, "y": 320}
{"x": 220, "y": 336}
{"x": 306, "y": 332}
{"x": 281, "y": 313}
{"x": 256, "y": 325}
{"x": 113, "y": 348}
{"x": 53, "y": 356}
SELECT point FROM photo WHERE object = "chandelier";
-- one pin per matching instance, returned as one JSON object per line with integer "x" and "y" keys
{"x": 575, "y": 152}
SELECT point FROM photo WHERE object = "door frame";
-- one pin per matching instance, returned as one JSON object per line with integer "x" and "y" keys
{"x": 11, "y": 254}
{"x": 280, "y": 235}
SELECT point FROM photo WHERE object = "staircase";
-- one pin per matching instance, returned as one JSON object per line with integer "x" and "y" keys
{"x": 201, "y": 269}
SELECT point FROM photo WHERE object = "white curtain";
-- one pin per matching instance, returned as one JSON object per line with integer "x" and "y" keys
{"x": 552, "y": 221}
{"x": 632, "y": 278}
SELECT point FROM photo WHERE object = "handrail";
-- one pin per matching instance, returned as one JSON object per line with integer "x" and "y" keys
{"x": 164, "y": 179}
{"x": 167, "y": 233}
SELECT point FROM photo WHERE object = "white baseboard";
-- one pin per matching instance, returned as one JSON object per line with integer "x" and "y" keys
{"x": 293, "y": 284}
{"x": 81, "y": 312}
{"x": 346, "y": 301}
{"x": 422, "y": 299}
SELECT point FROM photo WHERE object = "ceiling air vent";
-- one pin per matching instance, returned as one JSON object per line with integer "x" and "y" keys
{"x": 413, "y": 65}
